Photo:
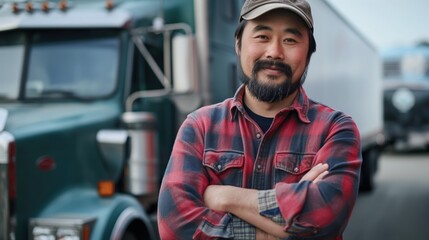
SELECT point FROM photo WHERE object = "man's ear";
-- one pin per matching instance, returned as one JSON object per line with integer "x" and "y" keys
{"x": 237, "y": 48}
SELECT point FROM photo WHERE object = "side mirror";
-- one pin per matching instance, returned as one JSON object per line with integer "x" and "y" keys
{"x": 3, "y": 118}
{"x": 185, "y": 73}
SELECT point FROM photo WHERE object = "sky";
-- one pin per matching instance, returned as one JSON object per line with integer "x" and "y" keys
{"x": 387, "y": 23}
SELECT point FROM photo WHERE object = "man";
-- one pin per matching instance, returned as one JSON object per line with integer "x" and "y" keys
{"x": 269, "y": 163}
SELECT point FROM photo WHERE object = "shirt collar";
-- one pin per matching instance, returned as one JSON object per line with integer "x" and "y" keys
{"x": 300, "y": 104}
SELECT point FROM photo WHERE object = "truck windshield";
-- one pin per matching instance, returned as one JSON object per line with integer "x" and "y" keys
{"x": 60, "y": 64}
{"x": 408, "y": 64}
{"x": 11, "y": 64}
{"x": 72, "y": 63}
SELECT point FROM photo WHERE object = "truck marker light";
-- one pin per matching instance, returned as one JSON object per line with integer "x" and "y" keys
{"x": 29, "y": 7}
{"x": 63, "y": 5}
{"x": 46, "y": 163}
{"x": 110, "y": 4}
{"x": 15, "y": 7}
{"x": 12, "y": 170}
{"x": 106, "y": 188}
{"x": 45, "y": 6}
{"x": 86, "y": 232}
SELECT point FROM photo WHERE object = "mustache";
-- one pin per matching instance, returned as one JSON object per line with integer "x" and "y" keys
{"x": 281, "y": 66}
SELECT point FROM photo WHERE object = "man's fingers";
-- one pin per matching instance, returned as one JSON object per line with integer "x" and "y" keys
{"x": 315, "y": 172}
{"x": 321, "y": 176}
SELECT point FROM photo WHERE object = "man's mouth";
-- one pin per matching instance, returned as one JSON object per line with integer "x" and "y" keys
{"x": 272, "y": 68}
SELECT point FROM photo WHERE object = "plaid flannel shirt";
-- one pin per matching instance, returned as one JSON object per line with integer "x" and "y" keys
{"x": 221, "y": 145}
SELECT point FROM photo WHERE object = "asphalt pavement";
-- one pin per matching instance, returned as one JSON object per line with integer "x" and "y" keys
{"x": 398, "y": 207}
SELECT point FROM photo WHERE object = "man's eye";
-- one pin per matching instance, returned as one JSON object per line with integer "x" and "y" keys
{"x": 290, "y": 40}
{"x": 263, "y": 37}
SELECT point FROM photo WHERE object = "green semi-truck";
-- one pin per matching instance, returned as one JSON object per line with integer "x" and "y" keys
{"x": 92, "y": 93}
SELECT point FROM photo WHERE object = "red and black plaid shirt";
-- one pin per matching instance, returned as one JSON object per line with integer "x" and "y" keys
{"x": 221, "y": 145}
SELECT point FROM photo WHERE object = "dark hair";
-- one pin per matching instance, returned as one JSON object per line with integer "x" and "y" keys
{"x": 243, "y": 23}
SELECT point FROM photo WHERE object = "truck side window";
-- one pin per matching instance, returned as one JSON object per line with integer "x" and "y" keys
{"x": 143, "y": 77}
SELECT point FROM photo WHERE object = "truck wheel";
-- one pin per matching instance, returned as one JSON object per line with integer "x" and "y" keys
{"x": 368, "y": 170}
{"x": 136, "y": 231}
{"x": 129, "y": 236}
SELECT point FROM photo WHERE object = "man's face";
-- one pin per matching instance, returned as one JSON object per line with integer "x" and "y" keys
{"x": 273, "y": 54}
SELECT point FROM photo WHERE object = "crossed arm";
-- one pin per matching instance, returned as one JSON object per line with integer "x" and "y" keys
{"x": 243, "y": 203}
{"x": 190, "y": 207}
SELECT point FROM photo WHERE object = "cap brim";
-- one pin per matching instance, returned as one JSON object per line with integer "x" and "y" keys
{"x": 271, "y": 6}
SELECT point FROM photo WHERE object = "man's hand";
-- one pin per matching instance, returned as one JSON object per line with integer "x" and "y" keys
{"x": 317, "y": 173}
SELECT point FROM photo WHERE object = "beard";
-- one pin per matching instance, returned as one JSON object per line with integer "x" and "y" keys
{"x": 271, "y": 92}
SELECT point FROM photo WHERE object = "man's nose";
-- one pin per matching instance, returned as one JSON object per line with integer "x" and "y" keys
{"x": 275, "y": 50}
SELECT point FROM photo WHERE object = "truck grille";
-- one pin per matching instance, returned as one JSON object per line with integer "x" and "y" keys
{"x": 391, "y": 69}
{"x": 416, "y": 117}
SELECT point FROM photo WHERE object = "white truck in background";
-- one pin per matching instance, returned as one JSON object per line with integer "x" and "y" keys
{"x": 345, "y": 73}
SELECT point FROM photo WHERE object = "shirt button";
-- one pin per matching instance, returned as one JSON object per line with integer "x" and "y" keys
{"x": 259, "y": 166}
{"x": 219, "y": 167}
{"x": 258, "y": 135}
{"x": 296, "y": 169}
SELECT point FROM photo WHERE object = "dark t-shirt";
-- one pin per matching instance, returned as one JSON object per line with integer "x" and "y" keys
{"x": 263, "y": 122}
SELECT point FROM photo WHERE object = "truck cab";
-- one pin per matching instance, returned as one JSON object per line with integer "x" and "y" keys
{"x": 92, "y": 95}
{"x": 406, "y": 96}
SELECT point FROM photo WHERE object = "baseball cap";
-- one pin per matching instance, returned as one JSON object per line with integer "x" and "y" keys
{"x": 254, "y": 8}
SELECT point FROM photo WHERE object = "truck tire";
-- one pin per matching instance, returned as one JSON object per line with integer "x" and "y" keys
{"x": 368, "y": 169}
{"x": 130, "y": 236}
{"x": 136, "y": 231}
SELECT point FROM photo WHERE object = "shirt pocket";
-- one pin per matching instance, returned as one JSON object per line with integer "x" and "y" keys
{"x": 224, "y": 167}
{"x": 291, "y": 167}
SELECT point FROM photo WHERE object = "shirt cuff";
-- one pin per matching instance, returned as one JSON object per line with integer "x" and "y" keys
{"x": 242, "y": 230}
{"x": 215, "y": 228}
{"x": 267, "y": 203}
{"x": 268, "y": 206}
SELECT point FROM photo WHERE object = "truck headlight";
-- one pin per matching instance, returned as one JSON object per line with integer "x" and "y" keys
{"x": 43, "y": 233}
{"x": 403, "y": 100}
{"x": 61, "y": 228}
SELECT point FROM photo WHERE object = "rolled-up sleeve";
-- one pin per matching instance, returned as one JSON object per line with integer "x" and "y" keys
{"x": 182, "y": 213}
{"x": 321, "y": 210}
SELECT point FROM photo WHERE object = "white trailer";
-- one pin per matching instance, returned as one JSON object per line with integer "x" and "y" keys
{"x": 345, "y": 73}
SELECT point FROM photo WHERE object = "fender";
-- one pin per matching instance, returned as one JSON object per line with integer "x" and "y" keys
{"x": 132, "y": 218}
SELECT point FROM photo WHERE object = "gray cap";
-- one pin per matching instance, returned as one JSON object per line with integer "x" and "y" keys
{"x": 255, "y": 8}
